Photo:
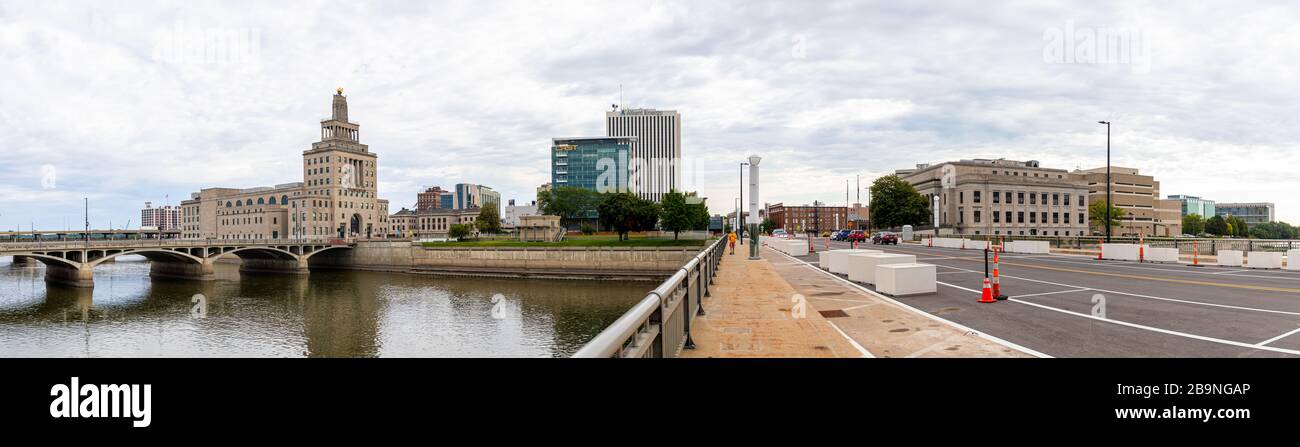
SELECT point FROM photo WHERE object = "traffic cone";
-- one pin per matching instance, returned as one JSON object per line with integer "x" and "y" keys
{"x": 1141, "y": 250}
{"x": 930, "y": 244}
{"x": 997, "y": 283}
{"x": 1196, "y": 254}
{"x": 987, "y": 295}
{"x": 1099, "y": 251}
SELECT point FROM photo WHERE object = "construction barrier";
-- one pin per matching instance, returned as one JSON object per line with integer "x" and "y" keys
{"x": 862, "y": 267}
{"x": 1293, "y": 260}
{"x": 1230, "y": 258}
{"x": 1027, "y": 247}
{"x": 1264, "y": 260}
{"x": 1158, "y": 254}
{"x": 838, "y": 262}
{"x": 906, "y": 279}
{"x": 1122, "y": 252}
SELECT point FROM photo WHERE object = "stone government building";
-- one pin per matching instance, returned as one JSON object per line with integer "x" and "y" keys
{"x": 336, "y": 199}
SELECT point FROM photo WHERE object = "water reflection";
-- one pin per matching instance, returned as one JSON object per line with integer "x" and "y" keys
{"x": 327, "y": 313}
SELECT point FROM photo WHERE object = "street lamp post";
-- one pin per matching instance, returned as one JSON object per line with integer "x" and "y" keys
{"x": 1107, "y": 123}
{"x": 740, "y": 212}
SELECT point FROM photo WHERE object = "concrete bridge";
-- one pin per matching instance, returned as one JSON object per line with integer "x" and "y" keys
{"x": 71, "y": 263}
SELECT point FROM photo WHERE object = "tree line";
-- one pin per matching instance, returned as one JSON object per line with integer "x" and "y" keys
{"x": 625, "y": 212}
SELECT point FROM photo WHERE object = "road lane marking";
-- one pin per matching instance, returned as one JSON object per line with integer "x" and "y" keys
{"x": 1051, "y": 293}
{"x": 1288, "y": 334}
{"x": 1176, "y": 300}
{"x": 864, "y": 351}
{"x": 923, "y": 313}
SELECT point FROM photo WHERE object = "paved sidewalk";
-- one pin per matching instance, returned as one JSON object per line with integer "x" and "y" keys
{"x": 885, "y": 328}
{"x": 750, "y": 315}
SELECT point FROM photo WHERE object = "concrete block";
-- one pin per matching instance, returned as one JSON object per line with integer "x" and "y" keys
{"x": 862, "y": 267}
{"x": 797, "y": 248}
{"x": 1230, "y": 258}
{"x": 906, "y": 279}
{"x": 1157, "y": 254}
{"x": 1293, "y": 260}
{"x": 1028, "y": 247}
{"x": 973, "y": 245}
{"x": 1121, "y": 252}
{"x": 839, "y": 259}
{"x": 1264, "y": 260}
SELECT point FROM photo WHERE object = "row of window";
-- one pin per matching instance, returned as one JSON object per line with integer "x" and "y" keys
{"x": 1035, "y": 198}
{"x": 1057, "y": 218}
{"x": 260, "y": 201}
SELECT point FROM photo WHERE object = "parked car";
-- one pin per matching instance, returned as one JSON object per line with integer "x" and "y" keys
{"x": 856, "y": 235}
{"x": 884, "y": 237}
{"x": 840, "y": 235}
{"x": 780, "y": 233}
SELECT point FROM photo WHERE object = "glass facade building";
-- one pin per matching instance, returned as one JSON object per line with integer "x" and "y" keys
{"x": 1252, "y": 213}
{"x": 1195, "y": 205}
{"x": 581, "y": 162}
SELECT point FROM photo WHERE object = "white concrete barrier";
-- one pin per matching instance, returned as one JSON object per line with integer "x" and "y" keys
{"x": 824, "y": 259}
{"x": 1158, "y": 254}
{"x": 974, "y": 245}
{"x": 1264, "y": 260}
{"x": 839, "y": 259}
{"x": 797, "y": 248}
{"x": 1028, "y": 247}
{"x": 1230, "y": 258}
{"x": 862, "y": 267}
{"x": 906, "y": 279}
{"x": 1121, "y": 252}
{"x": 1293, "y": 259}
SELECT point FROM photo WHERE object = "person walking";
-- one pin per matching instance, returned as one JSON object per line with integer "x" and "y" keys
{"x": 731, "y": 240}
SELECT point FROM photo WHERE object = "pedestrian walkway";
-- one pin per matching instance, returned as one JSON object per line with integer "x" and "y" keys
{"x": 751, "y": 314}
{"x": 780, "y": 307}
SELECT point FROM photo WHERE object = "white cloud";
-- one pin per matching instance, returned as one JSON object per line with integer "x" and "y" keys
{"x": 472, "y": 91}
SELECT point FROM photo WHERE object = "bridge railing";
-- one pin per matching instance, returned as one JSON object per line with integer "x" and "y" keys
{"x": 660, "y": 324}
{"x": 144, "y": 243}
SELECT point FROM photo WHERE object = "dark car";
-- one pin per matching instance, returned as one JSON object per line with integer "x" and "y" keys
{"x": 841, "y": 235}
{"x": 885, "y": 237}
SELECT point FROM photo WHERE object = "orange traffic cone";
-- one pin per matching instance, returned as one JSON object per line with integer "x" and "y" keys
{"x": 997, "y": 286}
{"x": 931, "y": 243}
{"x": 1099, "y": 251}
{"x": 1196, "y": 254}
{"x": 987, "y": 295}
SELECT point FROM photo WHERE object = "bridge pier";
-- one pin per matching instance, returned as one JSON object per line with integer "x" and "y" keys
{"x": 24, "y": 261}
{"x": 258, "y": 265}
{"x": 182, "y": 270}
{"x": 80, "y": 276}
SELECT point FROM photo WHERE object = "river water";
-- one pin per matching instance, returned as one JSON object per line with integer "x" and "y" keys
{"x": 324, "y": 314}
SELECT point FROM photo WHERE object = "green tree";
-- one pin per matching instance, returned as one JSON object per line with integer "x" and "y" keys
{"x": 625, "y": 212}
{"x": 1097, "y": 215}
{"x": 489, "y": 219}
{"x": 569, "y": 202}
{"x": 768, "y": 225}
{"x": 1239, "y": 226}
{"x": 677, "y": 215}
{"x": 1273, "y": 230}
{"x": 895, "y": 203}
{"x": 1217, "y": 226}
{"x": 458, "y": 231}
{"x": 1193, "y": 224}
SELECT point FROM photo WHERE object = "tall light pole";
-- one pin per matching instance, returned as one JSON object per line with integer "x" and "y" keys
{"x": 1107, "y": 223}
{"x": 740, "y": 212}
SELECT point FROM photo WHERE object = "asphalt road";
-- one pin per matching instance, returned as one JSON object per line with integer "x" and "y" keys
{"x": 1151, "y": 310}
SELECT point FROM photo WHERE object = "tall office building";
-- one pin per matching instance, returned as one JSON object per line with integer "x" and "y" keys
{"x": 162, "y": 218}
{"x": 655, "y": 166}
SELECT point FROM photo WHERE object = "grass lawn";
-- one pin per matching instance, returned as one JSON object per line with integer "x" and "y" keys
{"x": 599, "y": 240}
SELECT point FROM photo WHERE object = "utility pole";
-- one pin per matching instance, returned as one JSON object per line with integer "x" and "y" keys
{"x": 87, "y": 215}
{"x": 740, "y": 212}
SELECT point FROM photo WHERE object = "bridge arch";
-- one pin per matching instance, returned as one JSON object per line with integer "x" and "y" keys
{"x": 257, "y": 253}
{"x": 48, "y": 260}
{"x": 324, "y": 249}
{"x": 152, "y": 254}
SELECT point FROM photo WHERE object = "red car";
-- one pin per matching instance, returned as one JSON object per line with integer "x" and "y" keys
{"x": 856, "y": 235}
{"x": 884, "y": 237}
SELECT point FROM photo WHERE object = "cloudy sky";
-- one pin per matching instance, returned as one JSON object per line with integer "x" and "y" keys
{"x": 118, "y": 103}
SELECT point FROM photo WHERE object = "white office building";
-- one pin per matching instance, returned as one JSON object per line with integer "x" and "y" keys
{"x": 655, "y": 165}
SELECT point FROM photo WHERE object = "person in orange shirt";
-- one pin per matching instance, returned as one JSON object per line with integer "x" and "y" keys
{"x": 731, "y": 240}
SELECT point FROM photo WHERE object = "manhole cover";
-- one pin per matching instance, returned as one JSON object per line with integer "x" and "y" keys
{"x": 832, "y": 313}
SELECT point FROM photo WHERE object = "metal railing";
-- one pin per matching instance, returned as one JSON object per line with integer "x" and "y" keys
{"x": 660, "y": 324}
